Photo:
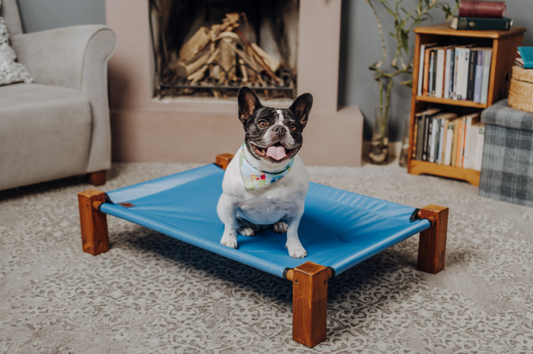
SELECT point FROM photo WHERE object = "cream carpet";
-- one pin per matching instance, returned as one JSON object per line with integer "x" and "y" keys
{"x": 153, "y": 294}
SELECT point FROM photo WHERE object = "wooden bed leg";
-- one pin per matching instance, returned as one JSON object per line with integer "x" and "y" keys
{"x": 432, "y": 244}
{"x": 310, "y": 301}
{"x": 223, "y": 160}
{"x": 96, "y": 178}
{"x": 93, "y": 222}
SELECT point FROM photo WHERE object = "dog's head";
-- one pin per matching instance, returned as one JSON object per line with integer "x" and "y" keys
{"x": 272, "y": 134}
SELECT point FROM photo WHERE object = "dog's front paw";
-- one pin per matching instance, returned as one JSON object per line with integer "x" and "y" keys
{"x": 296, "y": 250}
{"x": 280, "y": 227}
{"x": 229, "y": 241}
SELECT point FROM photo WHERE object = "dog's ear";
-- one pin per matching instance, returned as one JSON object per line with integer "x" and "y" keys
{"x": 301, "y": 108}
{"x": 248, "y": 104}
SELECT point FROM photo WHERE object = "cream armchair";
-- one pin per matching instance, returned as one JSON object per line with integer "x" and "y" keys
{"x": 59, "y": 125}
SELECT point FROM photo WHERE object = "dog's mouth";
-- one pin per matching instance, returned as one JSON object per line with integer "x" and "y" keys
{"x": 275, "y": 153}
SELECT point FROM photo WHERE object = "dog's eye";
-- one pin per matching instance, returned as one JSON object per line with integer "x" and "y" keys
{"x": 293, "y": 127}
{"x": 262, "y": 124}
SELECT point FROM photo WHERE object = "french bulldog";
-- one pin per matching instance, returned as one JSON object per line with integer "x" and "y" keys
{"x": 265, "y": 184}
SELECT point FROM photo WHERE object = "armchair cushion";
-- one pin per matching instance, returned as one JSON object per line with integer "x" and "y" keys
{"x": 45, "y": 133}
{"x": 10, "y": 70}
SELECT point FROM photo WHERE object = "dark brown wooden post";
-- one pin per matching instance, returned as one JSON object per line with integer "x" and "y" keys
{"x": 309, "y": 303}
{"x": 93, "y": 222}
{"x": 96, "y": 178}
{"x": 432, "y": 244}
{"x": 223, "y": 160}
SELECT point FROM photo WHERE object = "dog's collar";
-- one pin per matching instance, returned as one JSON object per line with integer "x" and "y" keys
{"x": 253, "y": 177}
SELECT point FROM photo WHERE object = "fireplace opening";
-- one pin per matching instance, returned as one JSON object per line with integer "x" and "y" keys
{"x": 211, "y": 48}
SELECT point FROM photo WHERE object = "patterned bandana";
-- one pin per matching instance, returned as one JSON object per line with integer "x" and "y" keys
{"x": 254, "y": 178}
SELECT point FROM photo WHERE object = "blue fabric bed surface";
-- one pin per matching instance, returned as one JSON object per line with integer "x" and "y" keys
{"x": 339, "y": 229}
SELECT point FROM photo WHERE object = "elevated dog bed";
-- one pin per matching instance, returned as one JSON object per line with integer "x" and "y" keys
{"x": 339, "y": 229}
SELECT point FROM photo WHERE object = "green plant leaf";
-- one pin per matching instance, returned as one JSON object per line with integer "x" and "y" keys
{"x": 405, "y": 41}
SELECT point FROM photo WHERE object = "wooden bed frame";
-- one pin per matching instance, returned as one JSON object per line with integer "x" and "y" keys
{"x": 310, "y": 280}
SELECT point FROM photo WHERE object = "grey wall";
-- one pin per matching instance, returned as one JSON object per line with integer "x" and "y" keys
{"x": 38, "y": 15}
{"x": 360, "y": 48}
{"x": 360, "y": 45}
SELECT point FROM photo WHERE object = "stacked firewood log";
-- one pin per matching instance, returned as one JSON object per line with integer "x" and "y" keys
{"x": 223, "y": 55}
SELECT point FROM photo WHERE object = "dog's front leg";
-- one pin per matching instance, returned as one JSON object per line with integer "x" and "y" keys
{"x": 296, "y": 250}
{"x": 227, "y": 212}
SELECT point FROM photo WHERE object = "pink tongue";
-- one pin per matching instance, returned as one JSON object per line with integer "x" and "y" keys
{"x": 276, "y": 152}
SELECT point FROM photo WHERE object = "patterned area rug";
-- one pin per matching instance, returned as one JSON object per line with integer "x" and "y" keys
{"x": 153, "y": 294}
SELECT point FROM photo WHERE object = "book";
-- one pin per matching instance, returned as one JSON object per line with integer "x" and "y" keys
{"x": 464, "y": 84}
{"x": 479, "y": 146}
{"x": 479, "y": 23}
{"x": 468, "y": 136}
{"x": 485, "y": 78}
{"x": 472, "y": 61}
{"x": 433, "y": 68}
{"x": 425, "y": 86}
{"x": 459, "y": 63}
{"x": 421, "y": 66}
{"x": 455, "y": 73}
{"x": 526, "y": 57}
{"x": 487, "y": 9}
{"x": 439, "y": 72}
{"x": 453, "y": 156}
{"x": 448, "y": 144}
{"x": 446, "y": 119}
{"x": 459, "y": 143}
{"x": 479, "y": 75}
{"x": 420, "y": 137}
{"x": 448, "y": 74}
{"x": 433, "y": 141}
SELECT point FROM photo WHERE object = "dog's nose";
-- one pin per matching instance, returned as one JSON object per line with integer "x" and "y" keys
{"x": 279, "y": 129}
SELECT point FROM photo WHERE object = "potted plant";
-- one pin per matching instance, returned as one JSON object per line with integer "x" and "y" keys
{"x": 404, "y": 22}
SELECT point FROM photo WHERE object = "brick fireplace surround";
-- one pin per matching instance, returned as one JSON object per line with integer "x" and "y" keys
{"x": 195, "y": 129}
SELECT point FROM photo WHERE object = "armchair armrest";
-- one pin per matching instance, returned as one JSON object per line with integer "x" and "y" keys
{"x": 75, "y": 57}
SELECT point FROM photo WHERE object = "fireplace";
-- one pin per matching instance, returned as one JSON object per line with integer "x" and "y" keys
{"x": 211, "y": 48}
{"x": 148, "y": 127}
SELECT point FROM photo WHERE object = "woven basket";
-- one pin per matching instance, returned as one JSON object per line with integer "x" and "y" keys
{"x": 521, "y": 90}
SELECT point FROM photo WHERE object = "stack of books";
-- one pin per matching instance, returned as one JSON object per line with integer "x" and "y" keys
{"x": 449, "y": 140}
{"x": 458, "y": 72}
{"x": 482, "y": 15}
{"x": 525, "y": 57}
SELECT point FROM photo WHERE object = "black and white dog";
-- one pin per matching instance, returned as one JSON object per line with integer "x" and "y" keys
{"x": 266, "y": 182}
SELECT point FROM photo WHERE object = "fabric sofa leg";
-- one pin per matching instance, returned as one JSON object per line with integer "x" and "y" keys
{"x": 96, "y": 178}
{"x": 93, "y": 222}
{"x": 310, "y": 301}
{"x": 432, "y": 244}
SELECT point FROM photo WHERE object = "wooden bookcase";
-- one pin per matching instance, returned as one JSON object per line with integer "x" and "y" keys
{"x": 504, "y": 46}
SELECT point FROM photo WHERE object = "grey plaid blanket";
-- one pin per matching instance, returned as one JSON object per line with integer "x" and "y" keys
{"x": 507, "y": 168}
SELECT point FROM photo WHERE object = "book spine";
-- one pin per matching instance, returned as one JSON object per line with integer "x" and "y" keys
{"x": 425, "y": 87}
{"x": 433, "y": 71}
{"x": 463, "y": 145}
{"x": 459, "y": 151}
{"x": 472, "y": 61}
{"x": 464, "y": 84}
{"x": 439, "y": 73}
{"x": 447, "y": 68}
{"x": 458, "y": 86}
{"x": 487, "y": 56}
{"x": 480, "y": 142}
{"x": 492, "y": 9}
{"x": 441, "y": 141}
{"x": 453, "y": 157}
{"x": 449, "y": 141}
{"x": 433, "y": 141}
{"x": 455, "y": 72}
{"x": 420, "y": 139}
{"x": 472, "y": 149}
{"x": 427, "y": 133}
{"x": 479, "y": 75}
{"x": 480, "y": 24}
{"x": 421, "y": 70}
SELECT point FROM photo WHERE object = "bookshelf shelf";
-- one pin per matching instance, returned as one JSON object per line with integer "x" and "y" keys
{"x": 451, "y": 102}
{"x": 504, "y": 45}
